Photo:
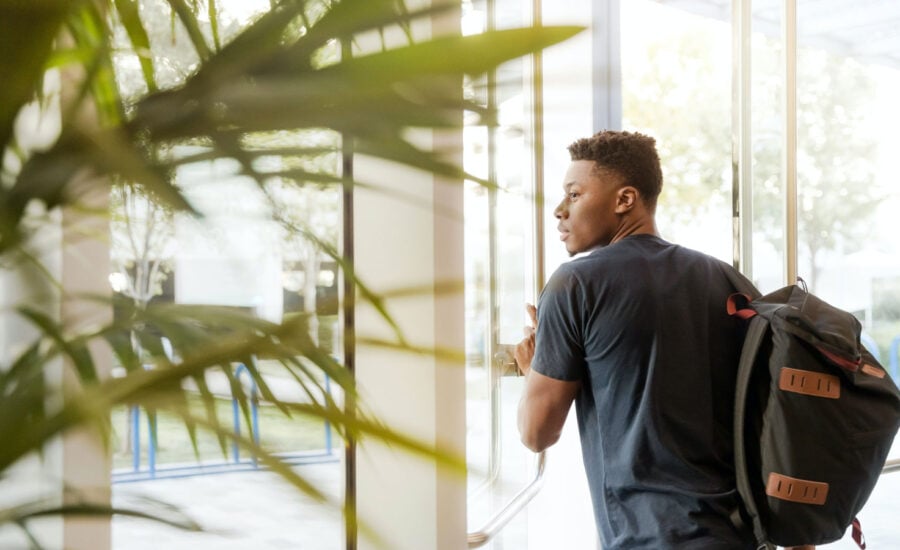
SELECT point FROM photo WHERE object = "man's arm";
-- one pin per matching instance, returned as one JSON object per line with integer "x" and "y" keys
{"x": 545, "y": 402}
{"x": 543, "y": 409}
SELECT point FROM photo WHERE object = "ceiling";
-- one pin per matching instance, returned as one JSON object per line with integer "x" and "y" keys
{"x": 868, "y": 30}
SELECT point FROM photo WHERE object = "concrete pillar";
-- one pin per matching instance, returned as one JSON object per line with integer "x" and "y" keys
{"x": 408, "y": 233}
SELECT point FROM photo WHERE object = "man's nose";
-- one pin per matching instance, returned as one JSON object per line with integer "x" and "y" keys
{"x": 560, "y": 210}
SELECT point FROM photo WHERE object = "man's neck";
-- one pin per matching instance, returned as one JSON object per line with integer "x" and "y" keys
{"x": 642, "y": 225}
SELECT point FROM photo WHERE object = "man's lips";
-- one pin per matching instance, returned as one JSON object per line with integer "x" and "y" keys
{"x": 563, "y": 234}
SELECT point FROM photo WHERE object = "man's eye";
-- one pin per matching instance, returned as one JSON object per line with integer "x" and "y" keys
{"x": 573, "y": 195}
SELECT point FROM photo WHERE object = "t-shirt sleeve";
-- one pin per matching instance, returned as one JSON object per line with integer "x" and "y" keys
{"x": 559, "y": 352}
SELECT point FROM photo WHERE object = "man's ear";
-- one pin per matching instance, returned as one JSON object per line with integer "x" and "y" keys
{"x": 626, "y": 199}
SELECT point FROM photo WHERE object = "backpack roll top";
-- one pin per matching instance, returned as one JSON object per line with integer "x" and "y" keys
{"x": 818, "y": 416}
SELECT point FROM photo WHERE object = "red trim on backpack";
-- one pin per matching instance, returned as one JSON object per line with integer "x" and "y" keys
{"x": 741, "y": 312}
{"x": 858, "y": 534}
{"x": 852, "y": 366}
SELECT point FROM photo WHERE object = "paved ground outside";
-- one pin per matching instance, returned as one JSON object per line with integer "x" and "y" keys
{"x": 250, "y": 510}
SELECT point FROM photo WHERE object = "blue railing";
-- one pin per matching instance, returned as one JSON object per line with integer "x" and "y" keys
{"x": 236, "y": 413}
{"x": 154, "y": 471}
{"x": 871, "y": 345}
{"x": 893, "y": 360}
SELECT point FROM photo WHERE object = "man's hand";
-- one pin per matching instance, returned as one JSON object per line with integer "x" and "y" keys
{"x": 525, "y": 349}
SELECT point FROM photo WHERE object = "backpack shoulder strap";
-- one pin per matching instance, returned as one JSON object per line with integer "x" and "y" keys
{"x": 755, "y": 332}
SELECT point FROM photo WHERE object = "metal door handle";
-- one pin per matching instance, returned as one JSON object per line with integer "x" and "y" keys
{"x": 513, "y": 507}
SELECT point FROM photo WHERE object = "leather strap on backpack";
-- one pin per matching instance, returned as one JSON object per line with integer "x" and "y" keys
{"x": 752, "y": 341}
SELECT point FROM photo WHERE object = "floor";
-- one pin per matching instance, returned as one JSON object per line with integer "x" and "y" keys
{"x": 255, "y": 510}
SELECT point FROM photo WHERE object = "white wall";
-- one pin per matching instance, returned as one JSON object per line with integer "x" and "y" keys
{"x": 413, "y": 503}
{"x": 71, "y": 247}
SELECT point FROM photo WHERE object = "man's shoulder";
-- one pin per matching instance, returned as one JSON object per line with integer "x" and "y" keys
{"x": 738, "y": 280}
{"x": 735, "y": 280}
{"x": 648, "y": 255}
{"x": 566, "y": 276}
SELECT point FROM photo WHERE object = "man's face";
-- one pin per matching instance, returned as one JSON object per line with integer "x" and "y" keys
{"x": 587, "y": 214}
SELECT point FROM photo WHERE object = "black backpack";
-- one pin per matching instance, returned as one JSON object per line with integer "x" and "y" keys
{"x": 815, "y": 416}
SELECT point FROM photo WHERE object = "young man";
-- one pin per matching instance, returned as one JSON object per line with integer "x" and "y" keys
{"x": 636, "y": 333}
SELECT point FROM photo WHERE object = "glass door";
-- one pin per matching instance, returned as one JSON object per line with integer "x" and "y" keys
{"x": 541, "y": 103}
{"x": 500, "y": 280}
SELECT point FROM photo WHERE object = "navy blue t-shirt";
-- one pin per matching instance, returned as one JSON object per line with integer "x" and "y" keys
{"x": 642, "y": 323}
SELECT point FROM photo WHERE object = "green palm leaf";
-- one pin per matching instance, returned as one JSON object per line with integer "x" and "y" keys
{"x": 281, "y": 74}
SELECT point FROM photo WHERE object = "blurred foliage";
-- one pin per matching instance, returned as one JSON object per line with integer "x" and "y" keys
{"x": 70, "y": 130}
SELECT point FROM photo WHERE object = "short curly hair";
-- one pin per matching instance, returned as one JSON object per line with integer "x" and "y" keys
{"x": 632, "y": 155}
